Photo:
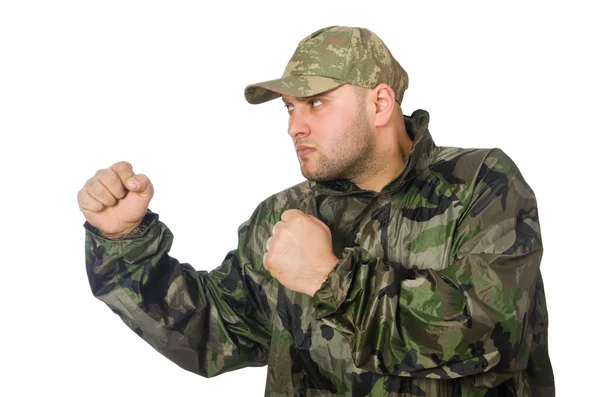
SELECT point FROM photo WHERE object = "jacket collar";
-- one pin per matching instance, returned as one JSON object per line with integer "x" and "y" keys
{"x": 418, "y": 160}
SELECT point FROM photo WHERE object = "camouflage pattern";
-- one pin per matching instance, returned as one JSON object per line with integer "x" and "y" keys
{"x": 330, "y": 57}
{"x": 437, "y": 293}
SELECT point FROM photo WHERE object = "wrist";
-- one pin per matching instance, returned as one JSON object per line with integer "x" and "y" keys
{"x": 119, "y": 235}
{"x": 329, "y": 265}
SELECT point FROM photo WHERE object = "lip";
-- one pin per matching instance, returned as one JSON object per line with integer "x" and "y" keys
{"x": 304, "y": 151}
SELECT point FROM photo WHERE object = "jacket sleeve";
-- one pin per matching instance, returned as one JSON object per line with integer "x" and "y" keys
{"x": 467, "y": 318}
{"x": 206, "y": 322}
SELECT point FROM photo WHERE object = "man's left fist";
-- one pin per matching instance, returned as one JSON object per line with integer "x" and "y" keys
{"x": 299, "y": 253}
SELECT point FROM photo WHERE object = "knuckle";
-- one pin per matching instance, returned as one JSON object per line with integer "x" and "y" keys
{"x": 294, "y": 216}
{"x": 276, "y": 243}
{"x": 102, "y": 174}
{"x": 88, "y": 204}
{"x": 82, "y": 198}
{"x": 80, "y": 201}
{"x": 122, "y": 166}
{"x": 85, "y": 202}
{"x": 276, "y": 227}
{"x": 112, "y": 179}
{"x": 97, "y": 188}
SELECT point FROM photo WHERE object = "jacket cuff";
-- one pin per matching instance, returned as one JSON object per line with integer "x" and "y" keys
{"x": 334, "y": 290}
{"x": 139, "y": 244}
{"x": 149, "y": 220}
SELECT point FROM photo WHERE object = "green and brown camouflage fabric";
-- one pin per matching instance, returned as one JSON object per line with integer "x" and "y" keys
{"x": 330, "y": 57}
{"x": 437, "y": 293}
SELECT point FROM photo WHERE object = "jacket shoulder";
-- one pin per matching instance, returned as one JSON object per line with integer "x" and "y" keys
{"x": 462, "y": 168}
{"x": 459, "y": 166}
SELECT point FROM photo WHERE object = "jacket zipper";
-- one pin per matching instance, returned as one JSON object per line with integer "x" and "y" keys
{"x": 372, "y": 191}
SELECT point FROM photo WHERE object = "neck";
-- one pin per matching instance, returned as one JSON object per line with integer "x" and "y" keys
{"x": 392, "y": 152}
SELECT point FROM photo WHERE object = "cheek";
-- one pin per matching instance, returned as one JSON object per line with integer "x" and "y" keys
{"x": 328, "y": 129}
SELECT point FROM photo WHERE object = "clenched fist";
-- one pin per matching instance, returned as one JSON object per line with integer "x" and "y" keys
{"x": 299, "y": 253}
{"x": 115, "y": 199}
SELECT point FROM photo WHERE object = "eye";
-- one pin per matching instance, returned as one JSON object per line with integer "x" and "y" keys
{"x": 316, "y": 103}
{"x": 289, "y": 107}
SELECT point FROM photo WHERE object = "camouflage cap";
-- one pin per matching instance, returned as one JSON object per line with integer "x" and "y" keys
{"x": 329, "y": 58}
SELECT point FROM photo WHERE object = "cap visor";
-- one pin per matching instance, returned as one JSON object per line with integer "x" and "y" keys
{"x": 298, "y": 86}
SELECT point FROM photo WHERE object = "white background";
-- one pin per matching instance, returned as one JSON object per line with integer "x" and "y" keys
{"x": 85, "y": 84}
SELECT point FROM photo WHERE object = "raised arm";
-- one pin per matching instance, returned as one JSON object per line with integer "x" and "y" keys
{"x": 206, "y": 322}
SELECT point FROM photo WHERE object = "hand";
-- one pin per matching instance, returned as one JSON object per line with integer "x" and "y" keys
{"x": 115, "y": 199}
{"x": 299, "y": 253}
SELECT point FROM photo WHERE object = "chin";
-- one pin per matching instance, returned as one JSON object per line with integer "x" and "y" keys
{"x": 311, "y": 176}
{"x": 316, "y": 174}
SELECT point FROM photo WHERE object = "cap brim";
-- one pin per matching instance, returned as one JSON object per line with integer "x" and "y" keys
{"x": 298, "y": 86}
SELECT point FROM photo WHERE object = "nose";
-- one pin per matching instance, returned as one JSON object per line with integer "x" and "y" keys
{"x": 298, "y": 123}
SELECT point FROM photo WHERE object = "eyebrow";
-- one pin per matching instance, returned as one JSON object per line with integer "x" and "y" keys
{"x": 308, "y": 98}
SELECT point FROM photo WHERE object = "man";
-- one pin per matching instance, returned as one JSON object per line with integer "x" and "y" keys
{"x": 398, "y": 268}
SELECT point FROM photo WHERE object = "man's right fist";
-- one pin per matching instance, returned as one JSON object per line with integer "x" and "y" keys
{"x": 115, "y": 199}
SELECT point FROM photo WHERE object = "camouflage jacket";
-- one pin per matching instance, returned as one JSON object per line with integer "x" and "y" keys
{"x": 437, "y": 293}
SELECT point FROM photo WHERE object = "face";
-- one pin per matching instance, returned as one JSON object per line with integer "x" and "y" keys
{"x": 336, "y": 128}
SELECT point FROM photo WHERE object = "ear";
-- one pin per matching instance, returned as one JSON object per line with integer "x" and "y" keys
{"x": 384, "y": 104}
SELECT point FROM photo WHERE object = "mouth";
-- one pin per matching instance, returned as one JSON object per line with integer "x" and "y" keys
{"x": 304, "y": 151}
